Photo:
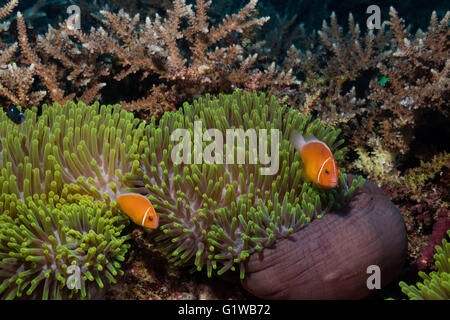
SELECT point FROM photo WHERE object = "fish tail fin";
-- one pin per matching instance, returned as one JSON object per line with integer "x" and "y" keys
{"x": 297, "y": 140}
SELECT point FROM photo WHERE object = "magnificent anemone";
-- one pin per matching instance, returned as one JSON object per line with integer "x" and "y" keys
{"x": 72, "y": 148}
{"x": 42, "y": 240}
{"x": 215, "y": 215}
{"x": 59, "y": 177}
{"x": 436, "y": 284}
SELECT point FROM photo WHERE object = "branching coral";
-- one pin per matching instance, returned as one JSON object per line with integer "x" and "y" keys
{"x": 215, "y": 215}
{"x": 352, "y": 53}
{"x": 47, "y": 76}
{"x": 331, "y": 65}
{"x": 381, "y": 81}
{"x": 50, "y": 249}
{"x": 16, "y": 83}
{"x": 150, "y": 7}
{"x": 176, "y": 57}
{"x": 281, "y": 34}
{"x": 205, "y": 63}
{"x": 6, "y": 10}
{"x": 436, "y": 284}
{"x": 65, "y": 70}
{"x": 418, "y": 73}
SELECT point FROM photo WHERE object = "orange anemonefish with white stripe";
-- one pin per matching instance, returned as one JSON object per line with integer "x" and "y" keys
{"x": 139, "y": 209}
{"x": 319, "y": 165}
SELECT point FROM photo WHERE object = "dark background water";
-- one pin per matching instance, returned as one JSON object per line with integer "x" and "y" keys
{"x": 309, "y": 12}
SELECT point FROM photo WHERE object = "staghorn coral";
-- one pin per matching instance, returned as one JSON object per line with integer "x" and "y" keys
{"x": 382, "y": 81}
{"x": 418, "y": 79}
{"x": 83, "y": 69}
{"x": 6, "y": 10}
{"x": 191, "y": 60}
{"x": 216, "y": 215}
{"x": 47, "y": 76}
{"x": 73, "y": 148}
{"x": 352, "y": 53}
{"x": 436, "y": 284}
{"x": 162, "y": 61}
{"x": 37, "y": 12}
{"x": 43, "y": 239}
{"x": 331, "y": 66}
{"x": 280, "y": 34}
{"x": 71, "y": 70}
{"x": 15, "y": 81}
{"x": 148, "y": 7}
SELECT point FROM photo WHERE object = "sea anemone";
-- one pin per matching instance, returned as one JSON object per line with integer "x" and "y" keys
{"x": 52, "y": 249}
{"x": 60, "y": 173}
{"x": 336, "y": 257}
{"x": 216, "y": 215}
{"x": 73, "y": 148}
{"x": 436, "y": 284}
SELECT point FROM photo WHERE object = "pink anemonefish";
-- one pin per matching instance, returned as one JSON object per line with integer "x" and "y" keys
{"x": 139, "y": 209}
{"x": 319, "y": 165}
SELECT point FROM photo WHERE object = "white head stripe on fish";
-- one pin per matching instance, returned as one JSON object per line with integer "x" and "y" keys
{"x": 321, "y": 168}
{"x": 145, "y": 215}
{"x": 334, "y": 164}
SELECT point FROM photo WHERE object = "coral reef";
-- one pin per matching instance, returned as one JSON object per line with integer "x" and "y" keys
{"x": 350, "y": 80}
{"x": 435, "y": 285}
{"x": 383, "y": 81}
{"x": 415, "y": 179}
{"x": 418, "y": 78}
{"x": 386, "y": 89}
{"x": 342, "y": 89}
{"x": 207, "y": 66}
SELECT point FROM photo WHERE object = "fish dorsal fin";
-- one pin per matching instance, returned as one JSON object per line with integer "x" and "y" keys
{"x": 314, "y": 139}
{"x": 297, "y": 140}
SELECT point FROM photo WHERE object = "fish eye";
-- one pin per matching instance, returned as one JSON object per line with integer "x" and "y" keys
{"x": 150, "y": 219}
{"x": 326, "y": 171}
